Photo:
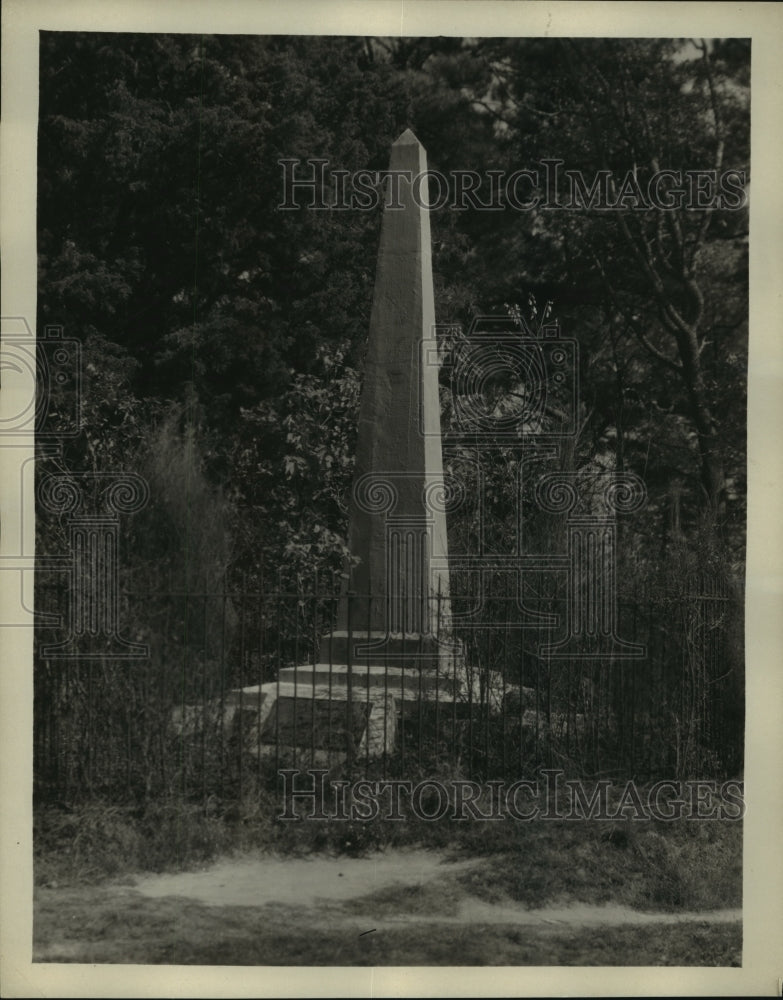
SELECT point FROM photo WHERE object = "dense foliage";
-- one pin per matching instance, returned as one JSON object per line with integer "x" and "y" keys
{"x": 222, "y": 338}
{"x": 163, "y": 250}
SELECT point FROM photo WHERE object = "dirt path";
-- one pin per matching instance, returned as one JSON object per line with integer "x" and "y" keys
{"x": 301, "y": 881}
{"x": 401, "y": 907}
{"x": 319, "y": 883}
{"x": 475, "y": 911}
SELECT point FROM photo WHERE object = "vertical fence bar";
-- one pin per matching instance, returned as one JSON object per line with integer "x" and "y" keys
{"x": 222, "y": 720}
{"x": 538, "y": 696}
{"x": 162, "y": 687}
{"x": 668, "y": 681}
{"x": 504, "y": 673}
{"x": 367, "y": 717}
{"x": 720, "y": 673}
{"x": 261, "y": 621}
{"x": 349, "y": 687}
{"x": 619, "y": 714}
{"x": 132, "y": 705}
{"x": 420, "y": 738}
{"x": 698, "y": 671}
{"x": 707, "y": 607}
{"x": 204, "y": 710}
{"x": 660, "y": 752}
{"x": 569, "y": 694}
{"x": 298, "y": 598}
{"x": 241, "y": 738}
{"x": 696, "y": 628}
{"x": 683, "y": 744}
{"x": 402, "y": 706}
{"x": 437, "y": 667}
{"x": 183, "y": 737}
{"x": 423, "y": 626}
{"x": 315, "y": 667}
{"x": 487, "y": 701}
{"x": 279, "y": 625}
{"x": 717, "y": 624}
{"x": 90, "y": 755}
{"x": 550, "y": 741}
{"x": 596, "y": 710}
{"x": 521, "y": 703}
{"x": 455, "y": 696}
{"x": 658, "y": 695}
{"x": 710, "y": 676}
{"x": 333, "y": 613}
{"x": 386, "y": 709}
{"x": 470, "y": 714}
{"x": 66, "y": 755}
{"x": 652, "y": 698}
{"x": 632, "y": 668}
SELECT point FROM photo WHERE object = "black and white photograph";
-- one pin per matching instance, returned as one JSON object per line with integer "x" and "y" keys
{"x": 390, "y": 560}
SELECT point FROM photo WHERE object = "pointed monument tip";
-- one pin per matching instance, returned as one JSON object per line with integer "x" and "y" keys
{"x": 407, "y": 139}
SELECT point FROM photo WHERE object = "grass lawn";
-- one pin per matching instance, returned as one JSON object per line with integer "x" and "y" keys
{"x": 87, "y": 911}
{"x": 111, "y": 924}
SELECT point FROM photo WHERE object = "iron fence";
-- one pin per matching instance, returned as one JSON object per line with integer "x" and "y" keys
{"x": 242, "y": 682}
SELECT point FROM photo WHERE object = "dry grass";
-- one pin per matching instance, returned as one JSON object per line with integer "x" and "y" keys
{"x": 683, "y": 866}
{"x": 85, "y": 911}
{"x": 678, "y": 866}
{"x": 113, "y": 925}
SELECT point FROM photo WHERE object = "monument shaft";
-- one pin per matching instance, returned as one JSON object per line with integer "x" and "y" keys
{"x": 397, "y": 517}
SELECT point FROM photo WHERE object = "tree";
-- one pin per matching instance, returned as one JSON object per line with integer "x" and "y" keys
{"x": 668, "y": 287}
{"x": 222, "y": 338}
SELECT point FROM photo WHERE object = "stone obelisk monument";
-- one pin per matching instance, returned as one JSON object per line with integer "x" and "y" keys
{"x": 397, "y": 525}
{"x": 388, "y": 646}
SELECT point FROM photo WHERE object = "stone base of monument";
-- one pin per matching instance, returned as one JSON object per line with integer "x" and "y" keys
{"x": 309, "y": 707}
{"x": 317, "y": 720}
{"x": 313, "y": 720}
{"x": 403, "y": 682}
{"x": 307, "y": 711}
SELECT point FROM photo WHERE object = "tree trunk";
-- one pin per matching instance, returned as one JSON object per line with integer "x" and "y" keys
{"x": 712, "y": 474}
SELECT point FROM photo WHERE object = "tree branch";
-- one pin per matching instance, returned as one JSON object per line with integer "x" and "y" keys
{"x": 630, "y": 321}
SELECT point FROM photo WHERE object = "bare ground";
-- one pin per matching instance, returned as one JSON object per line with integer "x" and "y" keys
{"x": 318, "y": 881}
{"x": 399, "y": 907}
